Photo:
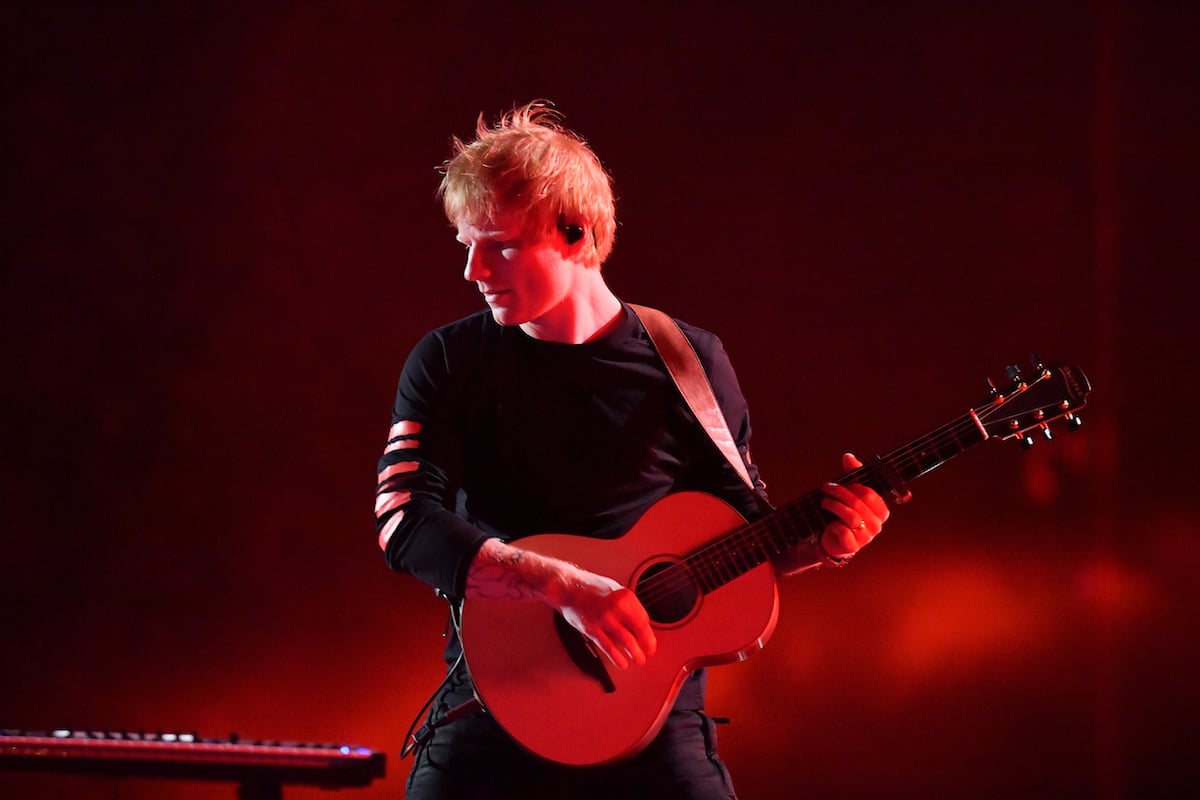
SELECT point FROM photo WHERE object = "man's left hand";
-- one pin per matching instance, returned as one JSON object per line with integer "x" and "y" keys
{"x": 860, "y": 513}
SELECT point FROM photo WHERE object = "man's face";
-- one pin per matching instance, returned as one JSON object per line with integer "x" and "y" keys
{"x": 524, "y": 277}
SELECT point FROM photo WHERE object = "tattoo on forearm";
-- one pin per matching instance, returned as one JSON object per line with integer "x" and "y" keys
{"x": 501, "y": 574}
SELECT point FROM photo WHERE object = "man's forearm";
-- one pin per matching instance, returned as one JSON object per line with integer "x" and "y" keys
{"x": 501, "y": 571}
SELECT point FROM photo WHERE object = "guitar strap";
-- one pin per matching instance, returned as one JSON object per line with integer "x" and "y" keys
{"x": 685, "y": 369}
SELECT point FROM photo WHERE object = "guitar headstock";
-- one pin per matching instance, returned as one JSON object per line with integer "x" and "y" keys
{"x": 1031, "y": 403}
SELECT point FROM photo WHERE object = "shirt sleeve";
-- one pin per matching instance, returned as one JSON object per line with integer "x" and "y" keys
{"x": 416, "y": 526}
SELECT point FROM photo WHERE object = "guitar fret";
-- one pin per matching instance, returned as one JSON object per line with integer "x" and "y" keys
{"x": 705, "y": 577}
{"x": 764, "y": 552}
{"x": 743, "y": 559}
{"x": 783, "y": 539}
{"x": 729, "y": 557}
{"x": 752, "y": 549}
{"x": 721, "y": 571}
{"x": 928, "y": 457}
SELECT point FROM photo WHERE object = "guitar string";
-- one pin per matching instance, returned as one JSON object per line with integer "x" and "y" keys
{"x": 716, "y": 559}
{"x": 731, "y": 555}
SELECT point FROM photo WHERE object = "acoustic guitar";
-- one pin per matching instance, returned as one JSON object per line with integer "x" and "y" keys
{"x": 706, "y": 579}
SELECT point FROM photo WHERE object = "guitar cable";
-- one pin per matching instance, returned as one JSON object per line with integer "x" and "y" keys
{"x": 413, "y": 741}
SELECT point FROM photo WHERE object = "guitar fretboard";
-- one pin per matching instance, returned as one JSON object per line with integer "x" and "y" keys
{"x": 740, "y": 551}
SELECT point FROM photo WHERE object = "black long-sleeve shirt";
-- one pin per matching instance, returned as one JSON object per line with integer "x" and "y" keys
{"x": 495, "y": 433}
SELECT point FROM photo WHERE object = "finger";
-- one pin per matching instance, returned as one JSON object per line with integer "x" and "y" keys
{"x": 875, "y": 503}
{"x": 850, "y": 517}
{"x": 843, "y": 541}
{"x": 617, "y": 629}
{"x": 845, "y": 494}
{"x": 636, "y": 621}
{"x": 646, "y": 641}
{"x": 626, "y": 642}
{"x": 649, "y": 641}
{"x": 854, "y": 530}
{"x": 870, "y": 505}
{"x": 606, "y": 646}
{"x": 865, "y": 501}
{"x": 641, "y": 641}
{"x": 847, "y": 505}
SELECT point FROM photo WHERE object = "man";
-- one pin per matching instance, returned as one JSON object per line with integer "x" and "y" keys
{"x": 552, "y": 412}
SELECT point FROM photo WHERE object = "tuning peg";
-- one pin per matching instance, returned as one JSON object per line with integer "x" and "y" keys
{"x": 1036, "y": 363}
{"x": 1026, "y": 442}
{"x": 1047, "y": 432}
{"x": 993, "y": 392}
{"x": 1013, "y": 373}
{"x": 1074, "y": 422}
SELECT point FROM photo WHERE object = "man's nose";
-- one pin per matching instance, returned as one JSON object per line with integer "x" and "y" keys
{"x": 475, "y": 270}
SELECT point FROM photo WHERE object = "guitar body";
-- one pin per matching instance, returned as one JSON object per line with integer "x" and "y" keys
{"x": 553, "y": 696}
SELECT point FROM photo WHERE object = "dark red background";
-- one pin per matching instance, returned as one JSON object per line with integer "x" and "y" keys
{"x": 220, "y": 241}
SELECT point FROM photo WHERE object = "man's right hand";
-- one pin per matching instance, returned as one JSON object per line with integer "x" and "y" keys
{"x": 607, "y": 613}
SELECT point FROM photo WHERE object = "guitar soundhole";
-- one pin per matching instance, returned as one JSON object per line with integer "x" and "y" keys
{"x": 668, "y": 592}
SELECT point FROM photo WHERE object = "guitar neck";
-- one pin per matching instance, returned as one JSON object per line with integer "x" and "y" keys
{"x": 1029, "y": 406}
{"x": 740, "y": 551}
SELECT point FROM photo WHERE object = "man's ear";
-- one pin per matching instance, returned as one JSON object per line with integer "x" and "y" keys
{"x": 570, "y": 231}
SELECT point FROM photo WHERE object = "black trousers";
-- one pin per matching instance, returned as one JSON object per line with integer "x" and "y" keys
{"x": 473, "y": 759}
